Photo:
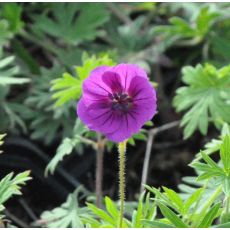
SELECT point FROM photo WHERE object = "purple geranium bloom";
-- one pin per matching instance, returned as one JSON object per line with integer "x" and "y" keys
{"x": 117, "y": 101}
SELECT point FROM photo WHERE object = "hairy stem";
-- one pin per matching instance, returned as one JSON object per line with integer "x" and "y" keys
{"x": 99, "y": 170}
{"x": 121, "y": 150}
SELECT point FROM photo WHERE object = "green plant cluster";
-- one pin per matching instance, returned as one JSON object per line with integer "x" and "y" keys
{"x": 199, "y": 203}
{"x": 10, "y": 186}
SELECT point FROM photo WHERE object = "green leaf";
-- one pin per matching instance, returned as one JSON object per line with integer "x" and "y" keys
{"x": 201, "y": 166}
{"x": 149, "y": 208}
{"x": 140, "y": 136}
{"x": 12, "y": 13}
{"x": 193, "y": 199}
{"x": 45, "y": 120}
{"x": 225, "y": 154}
{"x": 13, "y": 81}
{"x": 11, "y": 185}
{"x": 66, "y": 147}
{"x": 209, "y": 170}
{"x": 202, "y": 97}
{"x": 69, "y": 87}
{"x": 10, "y": 114}
{"x": 220, "y": 46}
{"x": 191, "y": 31}
{"x": 159, "y": 196}
{"x": 5, "y": 33}
{"x": 128, "y": 37}
{"x": 210, "y": 216}
{"x": 7, "y": 71}
{"x": 210, "y": 162}
{"x": 181, "y": 27}
{"x": 102, "y": 214}
{"x": 205, "y": 20}
{"x": 146, "y": 209}
{"x": 155, "y": 224}
{"x": 149, "y": 124}
{"x": 131, "y": 141}
{"x": 226, "y": 186}
{"x": 215, "y": 144}
{"x": 111, "y": 208}
{"x": 171, "y": 216}
{"x": 207, "y": 203}
{"x": 25, "y": 56}
{"x": 91, "y": 62}
{"x": 68, "y": 215}
{"x": 137, "y": 214}
{"x": 109, "y": 217}
{"x": 175, "y": 198}
{"x": 71, "y": 22}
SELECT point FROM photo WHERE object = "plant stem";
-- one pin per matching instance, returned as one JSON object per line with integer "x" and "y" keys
{"x": 99, "y": 170}
{"x": 87, "y": 141}
{"x": 146, "y": 160}
{"x": 121, "y": 150}
{"x": 151, "y": 135}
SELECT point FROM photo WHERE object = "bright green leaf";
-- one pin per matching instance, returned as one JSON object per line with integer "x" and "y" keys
{"x": 69, "y": 87}
{"x": 202, "y": 99}
{"x": 210, "y": 216}
{"x": 171, "y": 216}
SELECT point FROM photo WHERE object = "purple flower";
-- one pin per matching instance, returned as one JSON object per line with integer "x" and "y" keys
{"x": 117, "y": 101}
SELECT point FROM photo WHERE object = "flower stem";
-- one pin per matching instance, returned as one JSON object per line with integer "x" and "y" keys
{"x": 121, "y": 150}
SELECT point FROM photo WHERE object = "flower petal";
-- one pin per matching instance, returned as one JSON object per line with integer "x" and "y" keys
{"x": 144, "y": 100}
{"x": 113, "y": 81}
{"x": 82, "y": 113}
{"x": 128, "y": 127}
{"x": 127, "y": 72}
{"x": 98, "y": 116}
{"x": 141, "y": 89}
{"x": 103, "y": 118}
{"x": 94, "y": 88}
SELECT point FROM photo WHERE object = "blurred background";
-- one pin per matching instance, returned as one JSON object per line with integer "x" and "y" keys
{"x": 39, "y": 42}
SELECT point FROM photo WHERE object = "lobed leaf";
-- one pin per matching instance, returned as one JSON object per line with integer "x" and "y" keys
{"x": 69, "y": 87}
{"x": 202, "y": 98}
{"x": 73, "y": 23}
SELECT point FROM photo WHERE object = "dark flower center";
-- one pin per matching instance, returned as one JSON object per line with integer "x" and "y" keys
{"x": 121, "y": 102}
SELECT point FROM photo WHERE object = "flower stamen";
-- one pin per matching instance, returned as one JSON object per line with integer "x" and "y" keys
{"x": 121, "y": 102}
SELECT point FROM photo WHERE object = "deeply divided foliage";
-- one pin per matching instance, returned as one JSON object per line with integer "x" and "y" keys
{"x": 69, "y": 87}
{"x": 198, "y": 205}
{"x": 10, "y": 185}
{"x": 71, "y": 29}
{"x": 204, "y": 97}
